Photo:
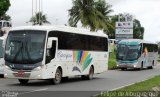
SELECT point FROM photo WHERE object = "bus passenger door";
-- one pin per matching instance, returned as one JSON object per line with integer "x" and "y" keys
{"x": 51, "y": 49}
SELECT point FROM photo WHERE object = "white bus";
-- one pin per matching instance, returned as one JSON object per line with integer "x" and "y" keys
{"x": 1, "y": 56}
{"x": 53, "y": 52}
{"x": 136, "y": 53}
{"x": 4, "y": 27}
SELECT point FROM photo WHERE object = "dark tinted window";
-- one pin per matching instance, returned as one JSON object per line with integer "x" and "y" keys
{"x": 150, "y": 47}
{"x": 73, "y": 41}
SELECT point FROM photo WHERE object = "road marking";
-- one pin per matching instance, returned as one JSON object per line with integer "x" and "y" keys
{"x": 33, "y": 91}
{"x": 131, "y": 84}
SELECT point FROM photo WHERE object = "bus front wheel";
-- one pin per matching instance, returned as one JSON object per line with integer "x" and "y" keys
{"x": 23, "y": 81}
{"x": 58, "y": 77}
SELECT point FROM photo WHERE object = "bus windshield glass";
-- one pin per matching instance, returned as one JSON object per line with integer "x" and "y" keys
{"x": 25, "y": 47}
{"x": 127, "y": 52}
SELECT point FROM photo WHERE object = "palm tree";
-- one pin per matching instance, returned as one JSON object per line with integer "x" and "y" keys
{"x": 5, "y": 17}
{"x": 89, "y": 13}
{"x": 105, "y": 9}
{"x": 39, "y": 19}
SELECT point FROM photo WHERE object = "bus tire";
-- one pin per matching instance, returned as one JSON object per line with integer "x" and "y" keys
{"x": 151, "y": 67}
{"x": 58, "y": 77}
{"x": 123, "y": 69}
{"x": 23, "y": 81}
{"x": 141, "y": 66}
{"x": 90, "y": 74}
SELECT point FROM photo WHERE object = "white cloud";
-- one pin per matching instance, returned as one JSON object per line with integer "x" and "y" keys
{"x": 21, "y": 11}
{"x": 147, "y": 11}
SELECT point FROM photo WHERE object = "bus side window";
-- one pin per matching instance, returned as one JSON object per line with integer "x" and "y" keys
{"x": 53, "y": 49}
{"x": 51, "y": 52}
{"x": 139, "y": 50}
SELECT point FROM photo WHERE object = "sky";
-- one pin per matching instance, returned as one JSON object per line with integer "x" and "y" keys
{"x": 146, "y": 11}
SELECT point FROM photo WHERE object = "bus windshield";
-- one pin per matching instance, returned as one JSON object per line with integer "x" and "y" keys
{"x": 25, "y": 47}
{"x": 127, "y": 52}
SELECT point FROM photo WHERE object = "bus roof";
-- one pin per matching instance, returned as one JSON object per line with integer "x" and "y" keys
{"x": 5, "y": 21}
{"x": 60, "y": 28}
{"x": 134, "y": 42}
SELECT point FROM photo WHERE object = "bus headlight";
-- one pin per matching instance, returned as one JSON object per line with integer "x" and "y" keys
{"x": 6, "y": 67}
{"x": 135, "y": 66}
{"x": 38, "y": 68}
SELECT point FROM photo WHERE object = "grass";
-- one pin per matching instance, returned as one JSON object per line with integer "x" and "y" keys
{"x": 112, "y": 60}
{"x": 149, "y": 86}
{"x": 158, "y": 57}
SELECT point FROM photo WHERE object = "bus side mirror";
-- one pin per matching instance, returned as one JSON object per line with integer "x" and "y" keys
{"x": 49, "y": 44}
{"x": 10, "y": 25}
{"x": 50, "y": 40}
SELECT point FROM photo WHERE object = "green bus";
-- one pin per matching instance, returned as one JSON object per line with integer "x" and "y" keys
{"x": 136, "y": 54}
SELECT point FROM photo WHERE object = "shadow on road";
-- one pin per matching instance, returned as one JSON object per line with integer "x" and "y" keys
{"x": 139, "y": 70}
{"x": 1, "y": 76}
{"x": 39, "y": 83}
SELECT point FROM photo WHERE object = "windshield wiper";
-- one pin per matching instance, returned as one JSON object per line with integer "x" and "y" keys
{"x": 27, "y": 51}
{"x": 20, "y": 49}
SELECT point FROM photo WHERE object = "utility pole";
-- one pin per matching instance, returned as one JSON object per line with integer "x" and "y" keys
{"x": 37, "y": 9}
{"x": 39, "y": 12}
{"x": 32, "y": 9}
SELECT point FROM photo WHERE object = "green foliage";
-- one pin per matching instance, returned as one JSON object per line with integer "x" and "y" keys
{"x": 91, "y": 13}
{"x": 39, "y": 19}
{"x": 4, "y": 6}
{"x": 138, "y": 30}
{"x": 158, "y": 50}
{"x": 111, "y": 32}
{"x": 6, "y": 17}
{"x": 112, "y": 60}
{"x": 140, "y": 87}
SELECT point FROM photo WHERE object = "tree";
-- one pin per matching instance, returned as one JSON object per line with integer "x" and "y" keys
{"x": 6, "y": 17}
{"x": 4, "y": 6}
{"x": 111, "y": 30}
{"x": 138, "y": 30}
{"x": 105, "y": 9}
{"x": 89, "y": 13}
{"x": 39, "y": 19}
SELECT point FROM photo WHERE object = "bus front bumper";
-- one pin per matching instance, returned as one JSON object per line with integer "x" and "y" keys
{"x": 127, "y": 65}
{"x": 41, "y": 74}
{"x": 1, "y": 70}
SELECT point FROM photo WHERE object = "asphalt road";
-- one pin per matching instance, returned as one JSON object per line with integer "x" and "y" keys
{"x": 75, "y": 87}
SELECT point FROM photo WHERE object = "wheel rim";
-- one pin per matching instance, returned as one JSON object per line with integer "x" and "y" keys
{"x": 91, "y": 73}
{"x": 58, "y": 76}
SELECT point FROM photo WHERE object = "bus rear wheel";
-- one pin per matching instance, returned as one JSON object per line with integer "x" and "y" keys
{"x": 58, "y": 77}
{"x": 151, "y": 67}
{"x": 123, "y": 69}
{"x": 90, "y": 74}
{"x": 23, "y": 81}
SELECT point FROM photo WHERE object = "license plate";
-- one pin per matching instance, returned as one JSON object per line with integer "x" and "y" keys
{"x": 20, "y": 74}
